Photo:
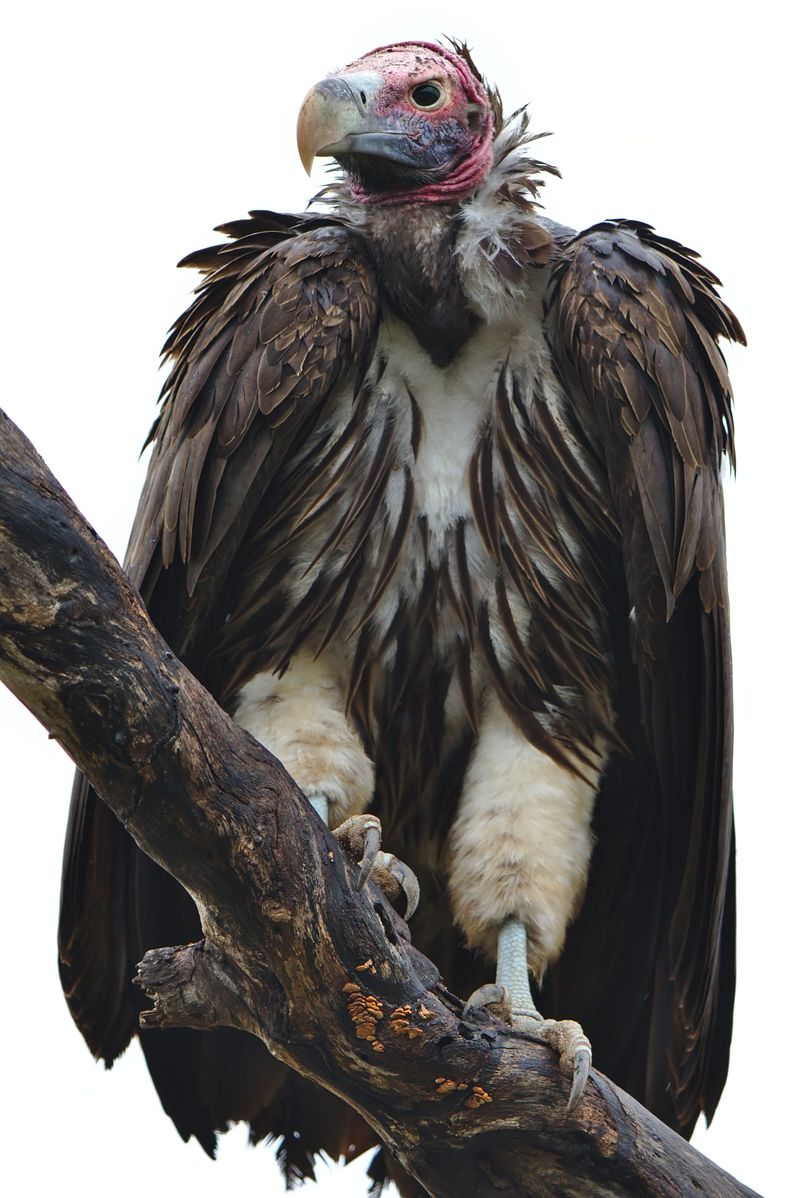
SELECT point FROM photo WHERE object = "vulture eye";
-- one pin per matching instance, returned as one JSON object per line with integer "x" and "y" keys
{"x": 427, "y": 95}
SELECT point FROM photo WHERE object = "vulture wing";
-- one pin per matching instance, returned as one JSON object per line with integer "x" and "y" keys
{"x": 634, "y": 321}
{"x": 273, "y": 329}
{"x": 288, "y": 308}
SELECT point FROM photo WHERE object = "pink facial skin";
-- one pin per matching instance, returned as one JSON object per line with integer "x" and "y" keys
{"x": 462, "y": 124}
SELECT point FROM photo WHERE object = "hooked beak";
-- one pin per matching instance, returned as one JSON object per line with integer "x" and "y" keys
{"x": 336, "y": 118}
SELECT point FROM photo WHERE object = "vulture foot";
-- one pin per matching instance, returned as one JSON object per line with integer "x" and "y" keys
{"x": 360, "y": 837}
{"x": 510, "y": 998}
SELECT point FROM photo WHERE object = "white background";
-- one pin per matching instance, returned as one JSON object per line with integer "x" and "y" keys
{"x": 130, "y": 131}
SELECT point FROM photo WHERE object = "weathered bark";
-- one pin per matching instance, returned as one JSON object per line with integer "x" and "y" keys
{"x": 292, "y": 953}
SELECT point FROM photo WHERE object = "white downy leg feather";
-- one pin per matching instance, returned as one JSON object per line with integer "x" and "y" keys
{"x": 521, "y": 841}
{"x": 300, "y": 718}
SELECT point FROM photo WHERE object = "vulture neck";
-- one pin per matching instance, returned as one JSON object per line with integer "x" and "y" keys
{"x": 447, "y": 269}
{"x": 419, "y": 274}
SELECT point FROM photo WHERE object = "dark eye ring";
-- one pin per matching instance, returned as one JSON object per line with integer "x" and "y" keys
{"x": 426, "y": 95}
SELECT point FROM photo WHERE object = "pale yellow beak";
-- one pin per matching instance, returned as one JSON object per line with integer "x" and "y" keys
{"x": 334, "y": 111}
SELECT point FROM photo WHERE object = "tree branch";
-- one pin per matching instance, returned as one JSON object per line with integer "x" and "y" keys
{"x": 324, "y": 974}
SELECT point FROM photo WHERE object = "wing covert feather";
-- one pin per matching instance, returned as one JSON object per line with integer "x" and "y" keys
{"x": 634, "y": 321}
{"x": 276, "y": 324}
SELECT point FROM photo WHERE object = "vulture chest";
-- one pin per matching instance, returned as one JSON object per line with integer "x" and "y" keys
{"x": 430, "y": 554}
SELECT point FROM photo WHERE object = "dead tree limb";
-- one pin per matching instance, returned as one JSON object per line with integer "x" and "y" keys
{"x": 292, "y": 952}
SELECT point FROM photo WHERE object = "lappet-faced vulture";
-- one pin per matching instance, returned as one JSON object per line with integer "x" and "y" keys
{"x": 434, "y": 509}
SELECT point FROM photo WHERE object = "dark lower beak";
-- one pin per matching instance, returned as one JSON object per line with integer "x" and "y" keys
{"x": 336, "y": 119}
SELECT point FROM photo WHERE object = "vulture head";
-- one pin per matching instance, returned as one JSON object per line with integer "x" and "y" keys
{"x": 407, "y": 122}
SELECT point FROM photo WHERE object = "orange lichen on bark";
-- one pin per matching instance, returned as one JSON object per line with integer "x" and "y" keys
{"x": 400, "y": 1025}
{"x": 365, "y": 1010}
{"x": 478, "y": 1098}
{"x": 446, "y": 1085}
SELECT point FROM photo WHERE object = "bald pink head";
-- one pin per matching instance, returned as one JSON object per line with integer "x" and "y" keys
{"x": 409, "y": 123}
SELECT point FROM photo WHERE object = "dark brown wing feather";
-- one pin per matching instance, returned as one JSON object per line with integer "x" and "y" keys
{"x": 271, "y": 332}
{"x": 634, "y": 322}
{"x": 288, "y": 308}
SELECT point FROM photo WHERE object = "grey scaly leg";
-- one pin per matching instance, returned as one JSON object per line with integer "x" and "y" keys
{"x": 512, "y": 968}
{"x": 321, "y": 804}
{"x": 512, "y": 989}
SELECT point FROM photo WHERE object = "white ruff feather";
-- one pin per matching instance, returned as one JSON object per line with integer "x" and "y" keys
{"x": 491, "y": 227}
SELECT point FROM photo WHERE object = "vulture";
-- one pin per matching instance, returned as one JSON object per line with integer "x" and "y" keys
{"x": 434, "y": 510}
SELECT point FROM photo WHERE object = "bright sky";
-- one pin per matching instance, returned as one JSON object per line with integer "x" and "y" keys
{"x": 130, "y": 132}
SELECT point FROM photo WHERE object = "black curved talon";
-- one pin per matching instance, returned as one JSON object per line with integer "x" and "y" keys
{"x": 490, "y": 995}
{"x": 580, "y": 1072}
{"x": 362, "y": 834}
{"x": 372, "y": 845}
{"x": 407, "y": 881}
